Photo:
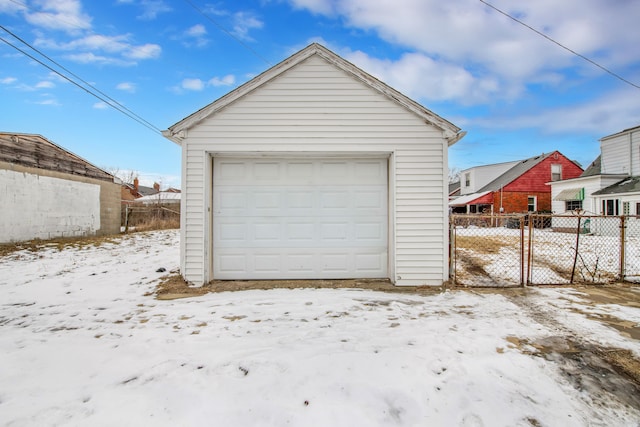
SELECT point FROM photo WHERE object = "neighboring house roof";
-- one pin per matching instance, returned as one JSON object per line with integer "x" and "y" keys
{"x": 454, "y": 188}
{"x": 514, "y": 173}
{"x": 147, "y": 191}
{"x": 628, "y": 185}
{"x": 36, "y": 151}
{"x": 470, "y": 199}
{"x": 633, "y": 129}
{"x": 141, "y": 190}
{"x": 162, "y": 197}
{"x": 451, "y": 132}
{"x": 595, "y": 168}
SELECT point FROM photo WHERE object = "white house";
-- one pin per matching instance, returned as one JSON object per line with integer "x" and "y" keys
{"x": 314, "y": 170}
{"x": 473, "y": 179}
{"x": 609, "y": 186}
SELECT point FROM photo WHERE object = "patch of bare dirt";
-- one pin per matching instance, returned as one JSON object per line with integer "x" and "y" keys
{"x": 586, "y": 365}
{"x": 589, "y": 367}
{"x": 174, "y": 286}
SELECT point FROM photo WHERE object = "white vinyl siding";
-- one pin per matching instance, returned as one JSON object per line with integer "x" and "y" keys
{"x": 480, "y": 176}
{"x": 621, "y": 153}
{"x": 316, "y": 109}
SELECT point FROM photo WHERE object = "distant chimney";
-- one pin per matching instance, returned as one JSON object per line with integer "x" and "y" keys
{"x": 156, "y": 186}
{"x": 135, "y": 183}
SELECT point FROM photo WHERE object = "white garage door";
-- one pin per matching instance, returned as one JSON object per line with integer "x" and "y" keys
{"x": 299, "y": 219}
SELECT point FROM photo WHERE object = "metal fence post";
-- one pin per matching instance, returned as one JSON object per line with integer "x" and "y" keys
{"x": 575, "y": 256}
{"x": 530, "y": 252}
{"x": 623, "y": 243}
{"x": 522, "y": 281}
{"x": 452, "y": 252}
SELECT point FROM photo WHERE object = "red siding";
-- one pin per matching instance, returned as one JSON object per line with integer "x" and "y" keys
{"x": 535, "y": 179}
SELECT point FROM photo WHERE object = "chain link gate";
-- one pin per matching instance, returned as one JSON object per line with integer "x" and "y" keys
{"x": 515, "y": 250}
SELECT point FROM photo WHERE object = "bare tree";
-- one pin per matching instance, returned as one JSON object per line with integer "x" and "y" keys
{"x": 125, "y": 175}
{"x": 454, "y": 175}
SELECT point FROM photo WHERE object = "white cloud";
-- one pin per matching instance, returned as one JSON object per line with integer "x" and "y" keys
{"x": 604, "y": 115}
{"x": 227, "y": 80}
{"x": 197, "y": 30}
{"x": 484, "y": 42}
{"x": 152, "y": 8}
{"x": 243, "y": 22}
{"x": 63, "y": 15}
{"x": 100, "y": 106}
{"x": 91, "y": 58}
{"x": 198, "y": 84}
{"x": 324, "y": 7}
{"x": 113, "y": 45}
{"x": 195, "y": 35}
{"x": 8, "y": 6}
{"x": 8, "y": 80}
{"x": 126, "y": 86}
{"x": 45, "y": 85}
{"x": 49, "y": 101}
{"x": 192, "y": 84}
{"x": 146, "y": 51}
{"x": 418, "y": 76}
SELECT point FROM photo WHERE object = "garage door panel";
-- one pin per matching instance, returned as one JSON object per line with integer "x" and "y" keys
{"x": 373, "y": 262}
{"x": 299, "y": 218}
{"x": 301, "y": 231}
{"x": 296, "y": 263}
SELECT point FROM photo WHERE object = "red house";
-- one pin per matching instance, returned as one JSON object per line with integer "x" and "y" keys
{"x": 521, "y": 188}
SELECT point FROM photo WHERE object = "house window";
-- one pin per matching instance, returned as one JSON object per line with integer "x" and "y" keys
{"x": 531, "y": 204}
{"x": 556, "y": 172}
{"x": 638, "y": 209}
{"x": 573, "y": 205}
{"x": 626, "y": 208}
{"x": 610, "y": 207}
{"x": 467, "y": 179}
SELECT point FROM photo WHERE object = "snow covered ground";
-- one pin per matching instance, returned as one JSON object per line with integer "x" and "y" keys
{"x": 83, "y": 342}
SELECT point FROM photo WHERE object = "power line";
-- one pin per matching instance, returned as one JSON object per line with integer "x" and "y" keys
{"x": 229, "y": 33}
{"x": 141, "y": 121}
{"x": 561, "y": 45}
{"x": 111, "y": 102}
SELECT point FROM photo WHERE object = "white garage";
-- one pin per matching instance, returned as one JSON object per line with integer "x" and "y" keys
{"x": 299, "y": 218}
{"x": 314, "y": 170}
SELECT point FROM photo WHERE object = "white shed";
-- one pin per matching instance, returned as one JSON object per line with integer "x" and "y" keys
{"x": 314, "y": 170}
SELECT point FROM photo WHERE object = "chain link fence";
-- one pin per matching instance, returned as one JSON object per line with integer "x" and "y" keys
{"x": 514, "y": 250}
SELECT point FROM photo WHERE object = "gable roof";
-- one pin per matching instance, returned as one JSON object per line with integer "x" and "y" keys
{"x": 36, "y": 151}
{"x": 451, "y": 132}
{"x": 595, "y": 168}
{"x": 515, "y": 172}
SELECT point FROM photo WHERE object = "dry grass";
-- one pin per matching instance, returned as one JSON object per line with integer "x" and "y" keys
{"x": 59, "y": 243}
{"x": 158, "y": 224}
{"x": 486, "y": 244}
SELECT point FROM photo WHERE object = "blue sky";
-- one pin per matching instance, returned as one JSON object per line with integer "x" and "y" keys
{"x": 514, "y": 92}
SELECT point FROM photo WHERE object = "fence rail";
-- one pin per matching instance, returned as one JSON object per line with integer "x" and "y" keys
{"x": 515, "y": 250}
